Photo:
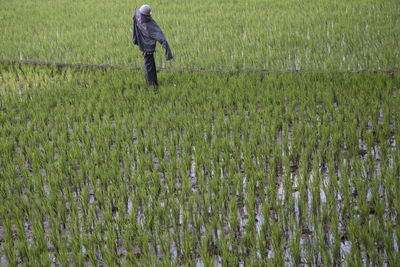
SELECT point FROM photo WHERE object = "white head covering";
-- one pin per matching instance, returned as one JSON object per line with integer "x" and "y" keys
{"x": 145, "y": 10}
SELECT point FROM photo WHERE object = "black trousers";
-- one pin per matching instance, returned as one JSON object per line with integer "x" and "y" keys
{"x": 150, "y": 69}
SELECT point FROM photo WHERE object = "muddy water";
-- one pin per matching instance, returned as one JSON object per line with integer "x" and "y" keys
{"x": 345, "y": 245}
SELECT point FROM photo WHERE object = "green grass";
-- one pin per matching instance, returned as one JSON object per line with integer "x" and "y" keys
{"x": 213, "y": 167}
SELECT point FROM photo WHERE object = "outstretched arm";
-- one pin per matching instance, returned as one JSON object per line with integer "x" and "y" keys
{"x": 157, "y": 34}
{"x": 168, "y": 54}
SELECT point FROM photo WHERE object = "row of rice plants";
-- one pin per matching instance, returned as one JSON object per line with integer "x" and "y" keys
{"x": 214, "y": 168}
{"x": 261, "y": 35}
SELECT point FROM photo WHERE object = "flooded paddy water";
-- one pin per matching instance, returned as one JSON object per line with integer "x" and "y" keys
{"x": 221, "y": 169}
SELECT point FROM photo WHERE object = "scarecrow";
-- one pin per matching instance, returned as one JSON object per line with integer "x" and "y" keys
{"x": 146, "y": 33}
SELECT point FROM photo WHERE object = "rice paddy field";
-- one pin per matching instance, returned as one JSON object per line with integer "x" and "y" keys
{"x": 273, "y": 138}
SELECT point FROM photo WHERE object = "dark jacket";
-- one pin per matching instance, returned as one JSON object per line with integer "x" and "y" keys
{"x": 146, "y": 33}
